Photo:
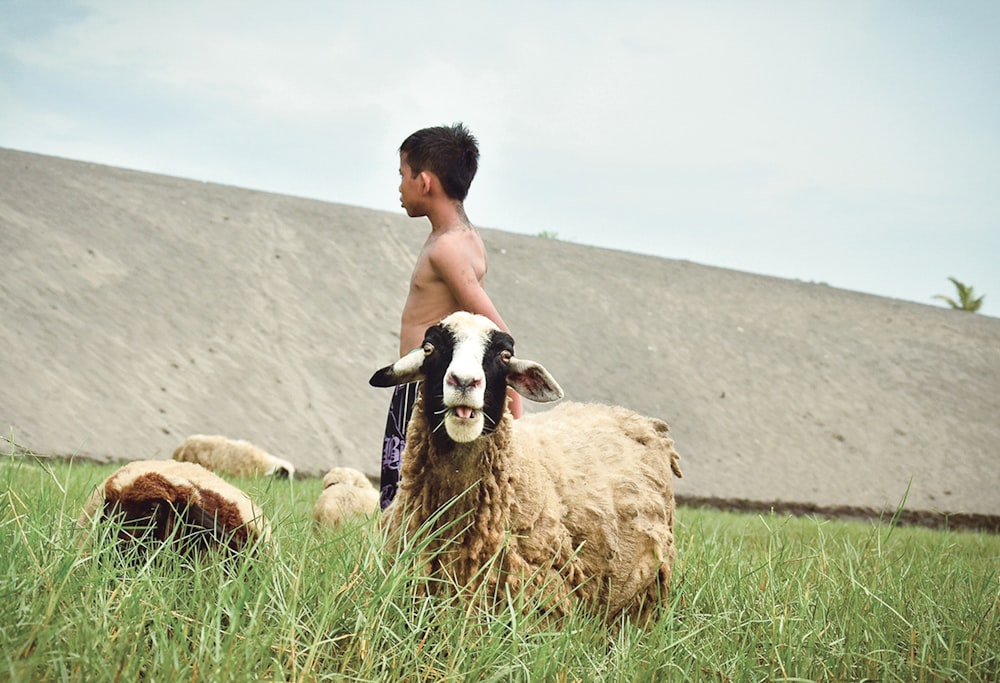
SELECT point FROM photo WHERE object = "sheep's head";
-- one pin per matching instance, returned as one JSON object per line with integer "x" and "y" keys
{"x": 346, "y": 475}
{"x": 466, "y": 363}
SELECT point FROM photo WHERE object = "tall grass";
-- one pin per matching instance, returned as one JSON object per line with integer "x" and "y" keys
{"x": 753, "y": 598}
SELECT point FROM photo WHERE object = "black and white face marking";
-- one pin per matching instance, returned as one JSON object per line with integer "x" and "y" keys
{"x": 466, "y": 363}
{"x": 467, "y": 379}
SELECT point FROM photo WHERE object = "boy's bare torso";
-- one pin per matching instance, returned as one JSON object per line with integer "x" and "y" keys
{"x": 456, "y": 253}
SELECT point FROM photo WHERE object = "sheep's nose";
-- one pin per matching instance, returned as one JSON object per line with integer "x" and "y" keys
{"x": 464, "y": 383}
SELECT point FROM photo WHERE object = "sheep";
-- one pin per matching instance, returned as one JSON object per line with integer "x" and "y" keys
{"x": 181, "y": 502}
{"x": 576, "y": 502}
{"x": 346, "y": 493}
{"x": 235, "y": 457}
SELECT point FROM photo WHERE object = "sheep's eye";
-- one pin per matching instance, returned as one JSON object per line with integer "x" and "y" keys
{"x": 505, "y": 356}
{"x": 428, "y": 348}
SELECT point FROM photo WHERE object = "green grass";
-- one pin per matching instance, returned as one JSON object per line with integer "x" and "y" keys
{"x": 754, "y": 598}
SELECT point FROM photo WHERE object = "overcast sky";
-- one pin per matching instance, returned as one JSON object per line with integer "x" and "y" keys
{"x": 850, "y": 142}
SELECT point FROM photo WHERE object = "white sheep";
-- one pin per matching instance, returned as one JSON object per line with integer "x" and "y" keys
{"x": 160, "y": 500}
{"x": 346, "y": 493}
{"x": 230, "y": 456}
{"x": 576, "y": 502}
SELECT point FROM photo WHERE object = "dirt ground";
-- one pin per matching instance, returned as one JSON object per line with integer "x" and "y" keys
{"x": 139, "y": 309}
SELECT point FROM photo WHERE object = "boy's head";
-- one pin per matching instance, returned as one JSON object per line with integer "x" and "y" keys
{"x": 449, "y": 152}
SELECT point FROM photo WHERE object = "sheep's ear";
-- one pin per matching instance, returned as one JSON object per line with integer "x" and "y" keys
{"x": 532, "y": 381}
{"x": 407, "y": 369}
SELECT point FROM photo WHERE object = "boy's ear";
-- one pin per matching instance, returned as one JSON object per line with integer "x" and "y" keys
{"x": 426, "y": 180}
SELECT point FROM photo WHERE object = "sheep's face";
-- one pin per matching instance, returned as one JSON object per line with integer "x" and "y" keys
{"x": 466, "y": 364}
{"x": 466, "y": 376}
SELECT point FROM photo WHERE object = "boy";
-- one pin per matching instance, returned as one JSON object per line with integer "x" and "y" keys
{"x": 436, "y": 168}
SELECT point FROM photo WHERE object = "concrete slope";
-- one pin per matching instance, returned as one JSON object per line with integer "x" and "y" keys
{"x": 138, "y": 309}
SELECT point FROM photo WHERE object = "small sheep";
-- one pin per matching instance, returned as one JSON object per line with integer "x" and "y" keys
{"x": 234, "y": 457}
{"x": 160, "y": 500}
{"x": 575, "y": 502}
{"x": 346, "y": 493}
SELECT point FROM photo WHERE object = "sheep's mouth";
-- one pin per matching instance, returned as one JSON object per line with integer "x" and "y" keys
{"x": 463, "y": 412}
{"x": 464, "y": 423}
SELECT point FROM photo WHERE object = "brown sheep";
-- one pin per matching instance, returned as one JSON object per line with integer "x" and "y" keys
{"x": 164, "y": 500}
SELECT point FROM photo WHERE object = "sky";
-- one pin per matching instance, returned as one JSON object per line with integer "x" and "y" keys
{"x": 854, "y": 143}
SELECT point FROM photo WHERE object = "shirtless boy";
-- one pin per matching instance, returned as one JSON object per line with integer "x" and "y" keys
{"x": 436, "y": 168}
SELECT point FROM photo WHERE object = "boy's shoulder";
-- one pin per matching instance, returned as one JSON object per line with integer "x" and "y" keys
{"x": 461, "y": 237}
{"x": 455, "y": 251}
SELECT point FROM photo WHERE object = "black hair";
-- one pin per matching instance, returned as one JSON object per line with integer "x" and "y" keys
{"x": 449, "y": 152}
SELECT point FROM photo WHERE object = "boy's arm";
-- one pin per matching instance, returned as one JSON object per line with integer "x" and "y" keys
{"x": 457, "y": 269}
{"x": 460, "y": 277}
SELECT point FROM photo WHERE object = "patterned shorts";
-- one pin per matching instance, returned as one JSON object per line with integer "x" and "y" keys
{"x": 400, "y": 410}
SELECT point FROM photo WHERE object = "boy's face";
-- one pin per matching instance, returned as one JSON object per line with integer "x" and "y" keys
{"x": 410, "y": 190}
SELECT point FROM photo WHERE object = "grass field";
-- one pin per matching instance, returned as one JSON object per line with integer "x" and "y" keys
{"x": 753, "y": 598}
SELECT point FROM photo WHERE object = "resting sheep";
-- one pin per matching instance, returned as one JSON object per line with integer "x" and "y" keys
{"x": 346, "y": 493}
{"x": 576, "y": 502}
{"x": 161, "y": 500}
{"x": 234, "y": 457}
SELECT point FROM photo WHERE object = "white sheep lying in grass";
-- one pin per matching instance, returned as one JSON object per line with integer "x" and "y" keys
{"x": 234, "y": 457}
{"x": 160, "y": 500}
{"x": 576, "y": 502}
{"x": 346, "y": 493}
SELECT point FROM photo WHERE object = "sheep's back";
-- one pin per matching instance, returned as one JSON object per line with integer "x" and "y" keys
{"x": 227, "y": 456}
{"x": 166, "y": 491}
{"x": 340, "y": 502}
{"x": 589, "y": 447}
{"x": 613, "y": 470}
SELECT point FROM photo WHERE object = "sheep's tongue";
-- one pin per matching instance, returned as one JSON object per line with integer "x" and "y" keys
{"x": 464, "y": 412}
